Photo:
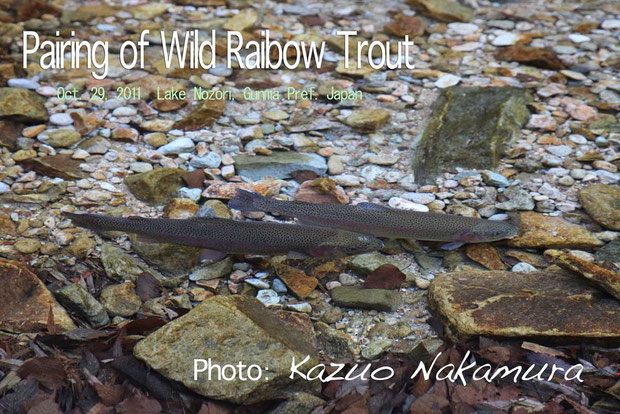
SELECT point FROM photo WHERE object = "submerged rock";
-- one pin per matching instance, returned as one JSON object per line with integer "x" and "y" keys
{"x": 606, "y": 279}
{"x": 157, "y": 186}
{"x": 278, "y": 165}
{"x": 602, "y": 203}
{"x": 443, "y": 10}
{"x": 230, "y": 330}
{"x": 541, "y": 305}
{"x": 533, "y": 56}
{"x": 59, "y": 165}
{"x": 174, "y": 259}
{"x": 77, "y": 299}
{"x": 22, "y": 105}
{"x": 25, "y": 302}
{"x": 540, "y": 231}
{"x": 470, "y": 128}
{"x": 378, "y": 299}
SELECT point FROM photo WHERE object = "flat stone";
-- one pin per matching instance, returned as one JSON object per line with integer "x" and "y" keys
{"x": 77, "y": 299}
{"x": 120, "y": 265}
{"x": 59, "y": 165}
{"x": 121, "y": 299}
{"x": 204, "y": 115}
{"x": 533, "y": 56}
{"x": 173, "y": 259}
{"x": 60, "y": 138}
{"x": 177, "y": 146}
{"x": 377, "y": 299}
{"x": 605, "y": 279}
{"x": 485, "y": 254}
{"x": 22, "y": 105}
{"x": 508, "y": 304}
{"x": 241, "y": 21}
{"x": 230, "y": 330}
{"x": 278, "y": 165}
{"x": 296, "y": 280}
{"x": 25, "y": 302}
{"x": 157, "y": 186}
{"x": 403, "y": 25}
{"x": 602, "y": 203}
{"x": 469, "y": 128}
{"x": 368, "y": 119}
{"x": 443, "y": 10}
{"x": 365, "y": 263}
{"x": 540, "y": 231}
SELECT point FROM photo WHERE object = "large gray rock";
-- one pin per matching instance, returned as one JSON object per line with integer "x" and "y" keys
{"x": 278, "y": 165}
{"x": 546, "y": 305}
{"x": 230, "y": 330}
{"x": 469, "y": 128}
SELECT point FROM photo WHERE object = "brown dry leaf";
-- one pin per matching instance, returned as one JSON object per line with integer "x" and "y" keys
{"x": 139, "y": 404}
{"x": 49, "y": 371}
{"x": 110, "y": 394}
{"x": 147, "y": 286}
{"x": 495, "y": 354}
{"x": 386, "y": 276}
{"x": 530, "y": 346}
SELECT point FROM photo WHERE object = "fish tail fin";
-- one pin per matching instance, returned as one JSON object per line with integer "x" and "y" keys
{"x": 246, "y": 200}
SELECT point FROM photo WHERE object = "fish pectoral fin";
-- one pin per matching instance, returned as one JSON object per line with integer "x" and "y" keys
{"x": 371, "y": 206}
{"x": 453, "y": 245}
{"x": 208, "y": 254}
{"x": 297, "y": 255}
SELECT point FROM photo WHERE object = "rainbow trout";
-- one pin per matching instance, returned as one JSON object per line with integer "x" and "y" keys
{"x": 380, "y": 221}
{"x": 232, "y": 236}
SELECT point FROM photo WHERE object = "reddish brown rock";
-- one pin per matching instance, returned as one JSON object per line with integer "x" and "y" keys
{"x": 486, "y": 255}
{"x": 533, "y": 56}
{"x": 227, "y": 191}
{"x": 321, "y": 190}
{"x": 403, "y": 25}
{"x": 606, "y": 279}
{"x": 25, "y": 302}
{"x": 59, "y": 165}
{"x": 296, "y": 280}
{"x": 550, "y": 304}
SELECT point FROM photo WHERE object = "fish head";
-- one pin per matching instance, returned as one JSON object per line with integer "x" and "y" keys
{"x": 489, "y": 230}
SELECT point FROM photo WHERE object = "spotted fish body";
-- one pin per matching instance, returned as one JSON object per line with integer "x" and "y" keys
{"x": 369, "y": 218}
{"x": 233, "y": 236}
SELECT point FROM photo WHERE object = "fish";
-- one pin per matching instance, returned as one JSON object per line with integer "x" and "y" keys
{"x": 381, "y": 221}
{"x": 236, "y": 237}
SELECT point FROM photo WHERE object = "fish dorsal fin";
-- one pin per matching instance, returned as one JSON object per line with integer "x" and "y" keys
{"x": 371, "y": 206}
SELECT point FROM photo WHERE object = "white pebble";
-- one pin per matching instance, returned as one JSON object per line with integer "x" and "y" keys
{"x": 61, "y": 119}
{"x": 523, "y": 267}
{"x": 447, "y": 80}
{"x": 23, "y": 83}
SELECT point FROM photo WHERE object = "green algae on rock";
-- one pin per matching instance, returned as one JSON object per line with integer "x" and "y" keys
{"x": 470, "y": 128}
{"x": 157, "y": 186}
{"x": 602, "y": 203}
{"x": 545, "y": 305}
{"x": 443, "y": 10}
{"x": 173, "y": 259}
{"x": 22, "y": 105}
{"x": 378, "y": 299}
{"x": 230, "y": 330}
{"x": 77, "y": 299}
